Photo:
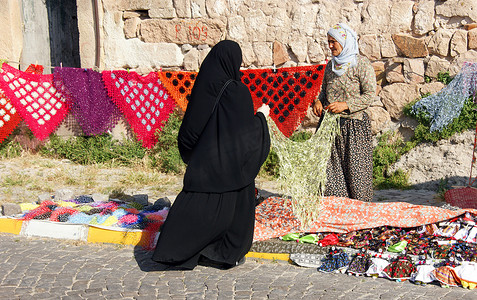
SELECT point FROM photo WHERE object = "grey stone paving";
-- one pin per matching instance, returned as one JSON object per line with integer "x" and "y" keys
{"x": 37, "y": 268}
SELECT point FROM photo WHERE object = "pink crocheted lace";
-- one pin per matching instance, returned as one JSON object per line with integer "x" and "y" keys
{"x": 38, "y": 102}
{"x": 143, "y": 100}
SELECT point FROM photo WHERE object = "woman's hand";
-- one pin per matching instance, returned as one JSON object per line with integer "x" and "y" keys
{"x": 318, "y": 108}
{"x": 264, "y": 109}
{"x": 337, "y": 107}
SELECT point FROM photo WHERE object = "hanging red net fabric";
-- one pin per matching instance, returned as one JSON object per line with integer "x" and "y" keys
{"x": 142, "y": 99}
{"x": 179, "y": 85}
{"x": 9, "y": 117}
{"x": 288, "y": 91}
{"x": 38, "y": 102}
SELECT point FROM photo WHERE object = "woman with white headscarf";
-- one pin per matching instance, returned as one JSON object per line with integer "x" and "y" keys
{"x": 349, "y": 88}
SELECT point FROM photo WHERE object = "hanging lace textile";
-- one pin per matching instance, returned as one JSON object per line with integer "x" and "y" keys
{"x": 142, "y": 99}
{"x": 85, "y": 94}
{"x": 38, "y": 102}
{"x": 9, "y": 118}
{"x": 446, "y": 105}
{"x": 303, "y": 166}
{"x": 179, "y": 85}
{"x": 288, "y": 91}
{"x": 35, "y": 69}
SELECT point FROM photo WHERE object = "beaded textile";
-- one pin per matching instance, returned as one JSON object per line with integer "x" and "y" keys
{"x": 446, "y": 105}
{"x": 288, "y": 91}
{"x": 35, "y": 97}
{"x": 85, "y": 94}
{"x": 142, "y": 99}
{"x": 179, "y": 85}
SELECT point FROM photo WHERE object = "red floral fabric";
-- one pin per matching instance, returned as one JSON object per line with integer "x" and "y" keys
{"x": 274, "y": 216}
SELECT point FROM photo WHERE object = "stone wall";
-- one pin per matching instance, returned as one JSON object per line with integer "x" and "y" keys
{"x": 406, "y": 41}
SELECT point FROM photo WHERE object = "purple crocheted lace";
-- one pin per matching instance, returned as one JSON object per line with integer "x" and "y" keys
{"x": 88, "y": 99}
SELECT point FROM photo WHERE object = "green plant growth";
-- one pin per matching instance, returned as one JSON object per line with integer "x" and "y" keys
{"x": 165, "y": 156}
{"x": 100, "y": 149}
{"x": 387, "y": 152}
{"x": 444, "y": 77}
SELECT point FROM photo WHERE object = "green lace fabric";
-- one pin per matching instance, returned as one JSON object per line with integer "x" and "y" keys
{"x": 303, "y": 166}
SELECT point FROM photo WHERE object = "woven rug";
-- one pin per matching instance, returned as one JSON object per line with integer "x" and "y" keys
{"x": 274, "y": 216}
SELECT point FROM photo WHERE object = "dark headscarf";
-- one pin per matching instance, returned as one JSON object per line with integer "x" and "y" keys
{"x": 224, "y": 146}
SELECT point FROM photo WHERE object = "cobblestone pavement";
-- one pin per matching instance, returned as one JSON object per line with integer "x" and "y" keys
{"x": 38, "y": 268}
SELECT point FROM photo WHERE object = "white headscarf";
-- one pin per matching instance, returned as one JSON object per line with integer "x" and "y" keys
{"x": 348, "y": 39}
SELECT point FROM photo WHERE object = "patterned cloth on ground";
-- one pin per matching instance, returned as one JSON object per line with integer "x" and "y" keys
{"x": 274, "y": 217}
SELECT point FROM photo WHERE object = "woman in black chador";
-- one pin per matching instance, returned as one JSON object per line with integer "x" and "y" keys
{"x": 224, "y": 145}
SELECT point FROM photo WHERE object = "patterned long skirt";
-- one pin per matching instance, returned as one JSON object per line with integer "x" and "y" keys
{"x": 350, "y": 168}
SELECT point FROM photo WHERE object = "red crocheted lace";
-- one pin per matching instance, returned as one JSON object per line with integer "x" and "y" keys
{"x": 288, "y": 91}
{"x": 142, "y": 99}
{"x": 9, "y": 118}
{"x": 179, "y": 85}
{"x": 38, "y": 102}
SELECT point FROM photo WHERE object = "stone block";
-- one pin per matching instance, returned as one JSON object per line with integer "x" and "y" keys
{"x": 10, "y": 209}
{"x": 263, "y": 52}
{"x": 280, "y": 54}
{"x": 472, "y": 38}
{"x": 236, "y": 29}
{"x": 44, "y": 197}
{"x": 379, "y": 70}
{"x": 183, "y": 8}
{"x": 388, "y": 49}
{"x": 458, "y": 43}
{"x": 436, "y": 65}
{"x": 369, "y": 46}
{"x": 378, "y": 117}
{"x": 401, "y": 16}
{"x": 394, "y": 73}
{"x": 100, "y": 197}
{"x": 424, "y": 17}
{"x": 198, "y": 9}
{"x": 395, "y": 96}
{"x": 410, "y": 46}
{"x": 299, "y": 47}
{"x": 64, "y": 194}
{"x": 413, "y": 70}
{"x": 217, "y": 8}
{"x": 134, "y": 4}
{"x": 439, "y": 42}
{"x": 191, "y": 60}
{"x": 162, "y": 203}
{"x": 431, "y": 88}
{"x": 141, "y": 199}
{"x": 315, "y": 52}
{"x": 131, "y": 27}
{"x": 179, "y": 31}
{"x": 162, "y": 13}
